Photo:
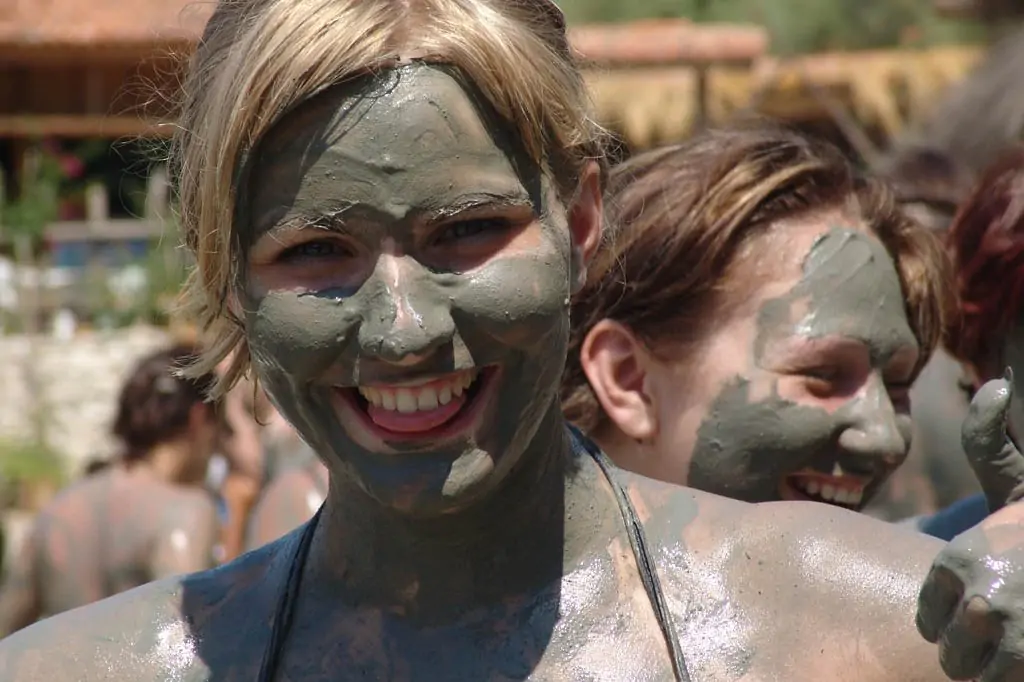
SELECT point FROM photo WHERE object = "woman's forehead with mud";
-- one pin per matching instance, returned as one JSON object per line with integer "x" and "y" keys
{"x": 839, "y": 282}
{"x": 409, "y": 143}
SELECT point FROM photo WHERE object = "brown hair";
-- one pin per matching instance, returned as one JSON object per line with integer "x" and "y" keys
{"x": 680, "y": 217}
{"x": 155, "y": 401}
{"x": 259, "y": 59}
{"x": 987, "y": 243}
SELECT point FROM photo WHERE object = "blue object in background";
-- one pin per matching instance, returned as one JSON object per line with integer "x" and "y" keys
{"x": 106, "y": 253}
{"x": 955, "y": 519}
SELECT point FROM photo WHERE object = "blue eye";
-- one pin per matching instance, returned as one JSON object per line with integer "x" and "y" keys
{"x": 470, "y": 228}
{"x": 320, "y": 248}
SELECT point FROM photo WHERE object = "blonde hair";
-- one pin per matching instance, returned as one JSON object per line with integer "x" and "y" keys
{"x": 259, "y": 59}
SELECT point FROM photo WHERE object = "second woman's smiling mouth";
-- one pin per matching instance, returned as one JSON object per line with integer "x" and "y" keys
{"x": 840, "y": 489}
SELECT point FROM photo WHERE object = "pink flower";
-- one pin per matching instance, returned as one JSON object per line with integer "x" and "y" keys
{"x": 71, "y": 166}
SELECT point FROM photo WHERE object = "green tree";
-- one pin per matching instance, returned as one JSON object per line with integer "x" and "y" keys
{"x": 797, "y": 26}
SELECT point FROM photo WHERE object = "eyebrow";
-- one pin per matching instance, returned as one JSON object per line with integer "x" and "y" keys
{"x": 434, "y": 212}
{"x": 477, "y": 201}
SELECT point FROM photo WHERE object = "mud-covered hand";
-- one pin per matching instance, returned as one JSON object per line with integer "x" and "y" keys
{"x": 993, "y": 456}
{"x": 972, "y": 602}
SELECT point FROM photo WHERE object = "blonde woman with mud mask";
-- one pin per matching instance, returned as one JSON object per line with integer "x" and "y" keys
{"x": 391, "y": 204}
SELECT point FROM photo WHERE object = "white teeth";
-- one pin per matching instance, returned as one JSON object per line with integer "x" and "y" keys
{"x": 405, "y": 400}
{"x": 427, "y": 399}
{"x": 416, "y": 395}
{"x": 830, "y": 493}
{"x": 837, "y": 470}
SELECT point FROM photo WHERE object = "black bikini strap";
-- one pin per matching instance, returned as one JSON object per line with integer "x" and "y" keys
{"x": 284, "y": 612}
{"x": 644, "y": 560}
{"x": 285, "y": 609}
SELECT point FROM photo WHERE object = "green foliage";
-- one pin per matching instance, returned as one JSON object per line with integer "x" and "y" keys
{"x": 166, "y": 271}
{"x": 28, "y": 460}
{"x": 164, "y": 268}
{"x": 798, "y": 26}
{"x": 37, "y": 204}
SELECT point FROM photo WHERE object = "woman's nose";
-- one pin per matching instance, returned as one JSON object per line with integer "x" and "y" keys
{"x": 407, "y": 316}
{"x": 873, "y": 427}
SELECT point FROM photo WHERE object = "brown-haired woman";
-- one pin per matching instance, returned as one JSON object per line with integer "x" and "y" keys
{"x": 754, "y": 324}
{"x": 391, "y": 203}
{"x": 144, "y": 517}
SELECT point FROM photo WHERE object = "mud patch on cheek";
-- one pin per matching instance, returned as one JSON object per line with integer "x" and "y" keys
{"x": 301, "y": 334}
{"x": 744, "y": 448}
{"x": 519, "y": 300}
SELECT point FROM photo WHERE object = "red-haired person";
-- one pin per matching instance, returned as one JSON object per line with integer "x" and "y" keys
{"x": 987, "y": 244}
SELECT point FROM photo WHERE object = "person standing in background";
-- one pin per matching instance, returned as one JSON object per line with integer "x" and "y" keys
{"x": 145, "y": 516}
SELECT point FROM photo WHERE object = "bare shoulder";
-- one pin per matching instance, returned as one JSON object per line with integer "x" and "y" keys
{"x": 788, "y": 585}
{"x": 798, "y": 531}
{"x": 204, "y": 626}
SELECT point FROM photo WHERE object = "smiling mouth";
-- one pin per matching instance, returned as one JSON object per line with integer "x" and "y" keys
{"x": 430, "y": 408}
{"x": 839, "y": 489}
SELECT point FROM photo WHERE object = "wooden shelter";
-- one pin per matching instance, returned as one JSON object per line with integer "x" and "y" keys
{"x": 107, "y": 68}
{"x": 84, "y": 69}
{"x": 655, "y": 82}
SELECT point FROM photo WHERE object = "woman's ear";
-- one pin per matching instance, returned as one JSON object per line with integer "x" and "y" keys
{"x": 617, "y": 366}
{"x": 585, "y": 216}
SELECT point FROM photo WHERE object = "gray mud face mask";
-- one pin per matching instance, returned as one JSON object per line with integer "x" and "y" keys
{"x": 745, "y": 448}
{"x": 370, "y": 159}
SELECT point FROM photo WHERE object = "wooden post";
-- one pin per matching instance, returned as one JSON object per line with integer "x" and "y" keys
{"x": 97, "y": 204}
{"x": 157, "y": 192}
{"x": 97, "y": 211}
{"x": 25, "y": 265}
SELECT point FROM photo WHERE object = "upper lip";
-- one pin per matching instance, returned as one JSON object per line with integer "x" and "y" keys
{"x": 385, "y": 375}
{"x": 843, "y": 474}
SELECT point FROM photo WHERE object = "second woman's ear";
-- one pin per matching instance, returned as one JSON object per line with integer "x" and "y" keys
{"x": 617, "y": 366}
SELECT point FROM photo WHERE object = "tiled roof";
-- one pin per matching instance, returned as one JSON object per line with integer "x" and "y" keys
{"x": 668, "y": 41}
{"x": 101, "y": 22}
{"x": 141, "y": 22}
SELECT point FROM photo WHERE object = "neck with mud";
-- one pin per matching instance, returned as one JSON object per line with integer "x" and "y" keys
{"x": 552, "y": 513}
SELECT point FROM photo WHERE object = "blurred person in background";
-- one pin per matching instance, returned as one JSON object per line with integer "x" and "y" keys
{"x": 987, "y": 244}
{"x": 145, "y": 516}
{"x": 239, "y": 471}
{"x": 291, "y": 497}
{"x": 294, "y": 479}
